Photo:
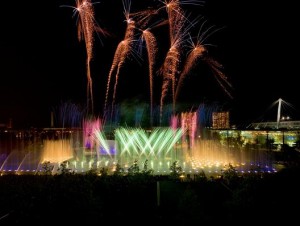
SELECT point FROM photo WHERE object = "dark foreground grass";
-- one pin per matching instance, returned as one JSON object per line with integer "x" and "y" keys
{"x": 136, "y": 200}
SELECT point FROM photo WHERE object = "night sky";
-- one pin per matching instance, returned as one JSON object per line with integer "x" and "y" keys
{"x": 42, "y": 63}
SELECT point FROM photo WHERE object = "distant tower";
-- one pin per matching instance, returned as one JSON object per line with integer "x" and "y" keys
{"x": 279, "y": 112}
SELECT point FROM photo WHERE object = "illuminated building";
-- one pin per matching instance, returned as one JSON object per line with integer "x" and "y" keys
{"x": 220, "y": 120}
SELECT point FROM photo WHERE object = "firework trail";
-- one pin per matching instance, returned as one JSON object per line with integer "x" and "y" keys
{"x": 87, "y": 27}
{"x": 172, "y": 60}
{"x": 150, "y": 41}
{"x": 171, "y": 65}
{"x": 218, "y": 74}
{"x": 123, "y": 51}
{"x": 126, "y": 51}
{"x": 176, "y": 14}
{"x": 86, "y": 30}
{"x": 143, "y": 17}
{"x": 114, "y": 66}
{"x": 179, "y": 25}
{"x": 143, "y": 21}
{"x": 176, "y": 19}
{"x": 199, "y": 52}
{"x": 151, "y": 45}
{"x": 170, "y": 69}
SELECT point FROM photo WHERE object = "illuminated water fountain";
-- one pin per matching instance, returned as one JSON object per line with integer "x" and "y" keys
{"x": 89, "y": 148}
{"x": 156, "y": 146}
{"x": 130, "y": 144}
